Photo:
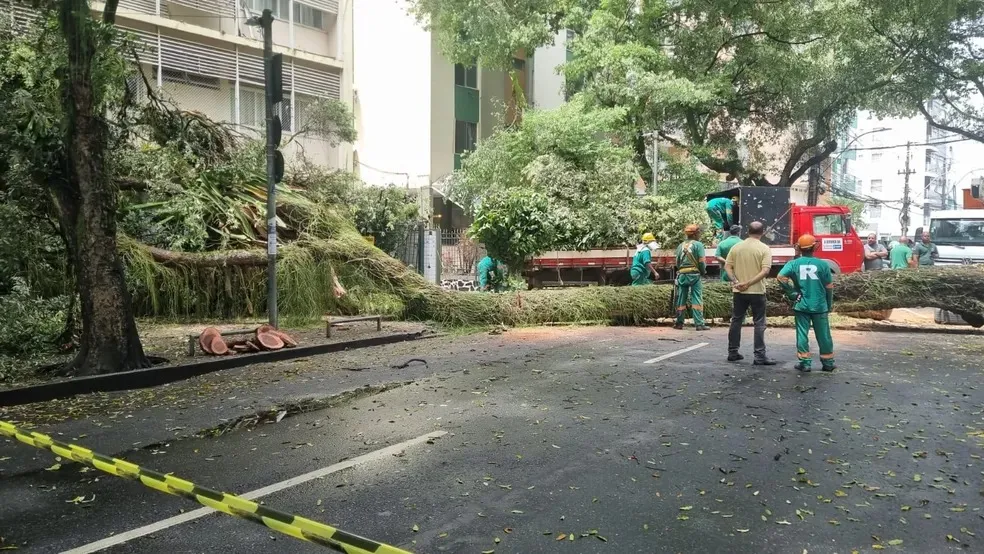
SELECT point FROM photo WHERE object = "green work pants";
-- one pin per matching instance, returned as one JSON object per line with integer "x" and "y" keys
{"x": 689, "y": 291}
{"x": 640, "y": 277}
{"x": 821, "y": 328}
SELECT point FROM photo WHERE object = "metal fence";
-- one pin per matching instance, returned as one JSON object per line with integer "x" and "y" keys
{"x": 459, "y": 254}
{"x": 408, "y": 250}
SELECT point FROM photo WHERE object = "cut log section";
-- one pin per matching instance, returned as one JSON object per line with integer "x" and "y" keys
{"x": 269, "y": 341}
{"x": 205, "y": 339}
{"x": 219, "y": 347}
{"x": 289, "y": 342}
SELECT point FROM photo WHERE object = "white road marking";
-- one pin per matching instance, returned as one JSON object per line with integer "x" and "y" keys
{"x": 676, "y": 353}
{"x": 252, "y": 495}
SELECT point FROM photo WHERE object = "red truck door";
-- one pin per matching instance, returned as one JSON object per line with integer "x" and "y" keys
{"x": 837, "y": 240}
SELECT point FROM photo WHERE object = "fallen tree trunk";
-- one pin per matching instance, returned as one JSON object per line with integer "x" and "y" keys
{"x": 956, "y": 289}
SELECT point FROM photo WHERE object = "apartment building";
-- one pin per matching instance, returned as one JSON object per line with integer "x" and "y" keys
{"x": 416, "y": 112}
{"x": 202, "y": 55}
{"x": 873, "y": 169}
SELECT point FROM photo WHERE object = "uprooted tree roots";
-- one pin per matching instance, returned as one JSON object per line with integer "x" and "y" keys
{"x": 956, "y": 289}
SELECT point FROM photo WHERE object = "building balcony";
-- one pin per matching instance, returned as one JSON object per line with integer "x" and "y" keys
{"x": 309, "y": 26}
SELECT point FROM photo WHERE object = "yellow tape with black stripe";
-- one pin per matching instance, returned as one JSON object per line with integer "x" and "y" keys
{"x": 295, "y": 526}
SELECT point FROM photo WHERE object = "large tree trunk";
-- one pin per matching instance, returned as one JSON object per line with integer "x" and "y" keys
{"x": 110, "y": 341}
{"x": 956, "y": 289}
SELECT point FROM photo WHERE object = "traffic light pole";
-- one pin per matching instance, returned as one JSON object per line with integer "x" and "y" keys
{"x": 273, "y": 130}
{"x": 813, "y": 189}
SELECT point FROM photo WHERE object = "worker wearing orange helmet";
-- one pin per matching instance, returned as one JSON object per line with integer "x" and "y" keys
{"x": 690, "y": 268}
{"x": 808, "y": 283}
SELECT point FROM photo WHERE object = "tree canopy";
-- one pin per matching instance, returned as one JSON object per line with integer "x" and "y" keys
{"x": 755, "y": 90}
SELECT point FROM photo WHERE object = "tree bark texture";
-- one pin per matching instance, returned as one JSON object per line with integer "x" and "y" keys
{"x": 110, "y": 341}
{"x": 956, "y": 289}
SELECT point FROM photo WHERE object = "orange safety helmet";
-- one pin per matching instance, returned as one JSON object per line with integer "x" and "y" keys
{"x": 691, "y": 229}
{"x": 807, "y": 241}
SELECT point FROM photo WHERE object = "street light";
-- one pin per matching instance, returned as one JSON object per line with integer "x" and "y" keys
{"x": 871, "y": 132}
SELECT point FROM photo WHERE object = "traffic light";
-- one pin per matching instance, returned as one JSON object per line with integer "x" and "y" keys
{"x": 275, "y": 89}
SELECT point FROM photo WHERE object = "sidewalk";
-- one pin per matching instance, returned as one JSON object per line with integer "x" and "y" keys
{"x": 117, "y": 422}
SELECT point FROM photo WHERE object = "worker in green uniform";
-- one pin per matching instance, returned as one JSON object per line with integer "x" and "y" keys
{"x": 808, "y": 283}
{"x": 489, "y": 275}
{"x": 721, "y": 212}
{"x": 901, "y": 254}
{"x": 642, "y": 270}
{"x": 725, "y": 246}
{"x": 690, "y": 267}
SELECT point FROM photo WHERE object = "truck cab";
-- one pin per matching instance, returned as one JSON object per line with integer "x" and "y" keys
{"x": 837, "y": 240}
{"x": 958, "y": 235}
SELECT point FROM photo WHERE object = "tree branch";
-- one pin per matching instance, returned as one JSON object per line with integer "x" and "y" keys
{"x": 956, "y": 130}
{"x": 109, "y": 11}
{"x": 230, "y": 258}
{"x": 828, "y": 149}
{"x": 128, "y": 184}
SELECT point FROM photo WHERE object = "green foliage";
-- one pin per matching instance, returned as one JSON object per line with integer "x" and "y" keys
{"x": 329, "y": 119}
{"x": 857, "y": 211}
{"x": 665, "y": 217}
{"x": 194, "y": 206}
{"x": 569, "y": 164}
{"x": 514, "y": 225}
{"x": 29, "y": 325}
{"x": 386, "y": 213}
{"x": 942, "y": 79}
{"x": 683, "y": 181}
{"x": 491, "y": 31}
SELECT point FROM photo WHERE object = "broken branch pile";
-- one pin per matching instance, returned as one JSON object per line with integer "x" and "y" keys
{"x": 956, "y": 289}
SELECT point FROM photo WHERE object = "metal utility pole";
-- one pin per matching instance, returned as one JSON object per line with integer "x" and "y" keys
{"x": 906, "y": 200}
{"x": 273, "y": 77}
{"x": 813, "y": 189}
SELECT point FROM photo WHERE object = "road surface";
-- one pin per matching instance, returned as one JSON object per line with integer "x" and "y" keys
{"x": 579, "y": 440}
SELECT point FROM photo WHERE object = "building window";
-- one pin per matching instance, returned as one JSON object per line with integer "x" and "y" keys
{"x": 186, "y": 78}
{"x": 876, "y": 156}
{"x": 252, "y": 109}
{"x": 304, "y": 105}
{"x": 466, "y": 76}
{"x": 309, "y": 17}
{"x": 874, "y": 211}
{"x": 465, "y": 136}
{"x": 876, "y": 185}
{"x": 280, "y": 8}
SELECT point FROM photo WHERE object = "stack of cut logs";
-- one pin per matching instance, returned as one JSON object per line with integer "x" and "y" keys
{"x": 265, "y": 338}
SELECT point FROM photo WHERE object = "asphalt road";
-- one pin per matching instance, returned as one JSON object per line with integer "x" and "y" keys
{"x": 560, "y": 433}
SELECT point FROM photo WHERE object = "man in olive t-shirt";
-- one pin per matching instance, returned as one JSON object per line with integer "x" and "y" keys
{"x": 926, "y": 252}
{"x": 748, "y": 264}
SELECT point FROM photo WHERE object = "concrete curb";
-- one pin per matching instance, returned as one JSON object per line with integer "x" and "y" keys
{"x": 154, "y": 376}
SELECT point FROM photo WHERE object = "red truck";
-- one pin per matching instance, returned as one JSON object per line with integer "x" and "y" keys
{"x": 838, "y": 241}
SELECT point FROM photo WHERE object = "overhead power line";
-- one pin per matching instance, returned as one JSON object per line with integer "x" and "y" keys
{"x": 908, "y": 144}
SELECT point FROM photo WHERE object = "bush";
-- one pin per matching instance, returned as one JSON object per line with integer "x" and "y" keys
{"x": 29, "y": 325}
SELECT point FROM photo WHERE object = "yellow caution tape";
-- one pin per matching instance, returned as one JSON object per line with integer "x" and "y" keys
{"x": 295, "y": 526}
